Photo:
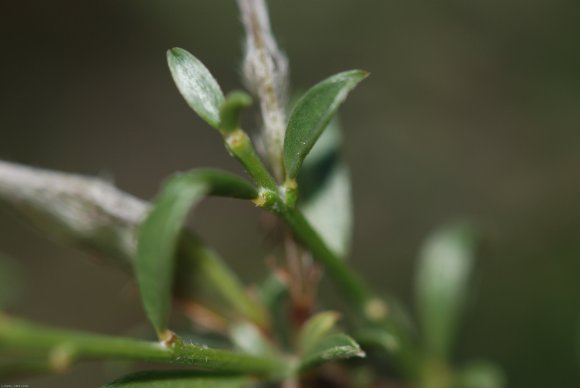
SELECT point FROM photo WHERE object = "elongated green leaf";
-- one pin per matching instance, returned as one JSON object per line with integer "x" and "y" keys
{"x": 196, "y": 85}
{"x": 176, "y": 379}
{"x": 442, "y": 283}
{"x": 159, "y": 234}
{"x": 312, "y": 114}
{"x": 331, "y": 348}
{"x": 315, "y": 329}
{"x": 325, "y": 191}
{"x": 231, "y": 109}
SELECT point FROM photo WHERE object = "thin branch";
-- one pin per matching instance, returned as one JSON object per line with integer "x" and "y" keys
{"x": 266, "y": 74}
{"x": 86, "y": 212}
{"x": 64, "y": 347}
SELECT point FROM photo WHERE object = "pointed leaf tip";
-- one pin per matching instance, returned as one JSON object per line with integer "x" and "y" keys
{"x": 331, "y": 348}
{"x": 196, "y": 84}
{"x": 312, "y": 114}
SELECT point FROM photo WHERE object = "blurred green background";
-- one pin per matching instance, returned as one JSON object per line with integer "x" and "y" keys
{"x": 472, "y": 109}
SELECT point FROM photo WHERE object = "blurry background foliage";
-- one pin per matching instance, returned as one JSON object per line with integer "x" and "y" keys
{"x": 472, "y": 108}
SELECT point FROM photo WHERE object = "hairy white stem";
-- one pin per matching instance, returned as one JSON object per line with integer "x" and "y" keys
{"x": 265, "y": 71}
{"x": 78, "y": 210}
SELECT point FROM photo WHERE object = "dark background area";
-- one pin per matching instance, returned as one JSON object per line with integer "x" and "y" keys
{"x": 472, "y": 110}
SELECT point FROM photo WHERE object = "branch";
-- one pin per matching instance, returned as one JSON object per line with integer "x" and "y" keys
{"x": 265, "y": 71}
{"x": 85, "y": 212}
{"x": 64, "y": 347}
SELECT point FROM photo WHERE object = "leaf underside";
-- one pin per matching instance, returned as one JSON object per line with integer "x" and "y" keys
{"x": 196, "y": 84}
{"x": 325, "y": 191}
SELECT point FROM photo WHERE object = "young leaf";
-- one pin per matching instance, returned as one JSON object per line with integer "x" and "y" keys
{"x": 231, "y": 109}
{"x": 176, "y": 379}
{"x": 159, "y": 234}
{"x": 196, "y": 85}
{"x": 331, "y": 348}
{"x": 315, "y": 329}
{"x": 312, "y": 114}
{"x": 325, "y": 191}
{"x": 442, "y": 282}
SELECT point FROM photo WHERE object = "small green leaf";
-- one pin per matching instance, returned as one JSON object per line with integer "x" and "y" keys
{"x": 481, "y": 374}
{"x": 249, "y": 339}
{"x": 443, "y": 274}
{"x": 231, "y": 109}
{"x": 315, "y": 329}
{"x": 176, "y": 379}
{"x": 325, "y": 191}
{"x": 332, "y": 348}
{"x": 196, "y": 85}
{"x": 312, "y": 114}
{"x": 159, "y": 234}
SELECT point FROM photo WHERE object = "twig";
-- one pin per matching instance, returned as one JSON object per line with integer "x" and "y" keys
{"x": 265, "y": 71}
{"x": 82, "y": 211}
{"x": 64, "y": 347}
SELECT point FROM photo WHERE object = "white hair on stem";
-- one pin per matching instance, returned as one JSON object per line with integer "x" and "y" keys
{"x": 265, "y": 71}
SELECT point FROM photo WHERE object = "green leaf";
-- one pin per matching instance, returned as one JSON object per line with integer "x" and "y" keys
{"x": 315, "y": 329}
{"x": 176, "y": 379}
{"x": 325, "y": 191}
{"x": 249, "y": 339}
{"x": 312, "y": 114}
{"x": 231, "y": 109}
{"x": 481, "y": 374}
{"x": 159, "y": 234}
{"x": 445, "y": 264}
{"x": 196, "y": 85}
{"x": 332, "y": 348}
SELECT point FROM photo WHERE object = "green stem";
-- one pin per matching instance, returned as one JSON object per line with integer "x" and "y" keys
{"x": 240, "y": 146}
{"x": 65, "y": 347}
{"x": 225, "y": 281}
{"x": 347, "y": 280}
{"x": 372, "y": 309}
